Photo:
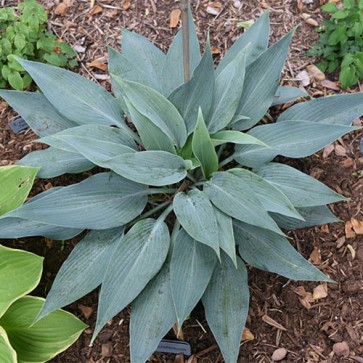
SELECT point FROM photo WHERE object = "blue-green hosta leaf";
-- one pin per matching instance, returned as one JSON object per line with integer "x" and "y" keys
{"x": 226, "y": 236}
{"x": 191, "y": 268}
{"x": 203, "y": 148}
{"x": 296, "y": 139}
{"x": 334, "y": 110}
{"x": 235, "y": 198}
{"x": 198, "y": 92}
{"x": 300, "y": 188}
{"x": 261, "y": 83}
{"x": 271, "y": 252}
{"x": 151, "y": 135}
{"x": 37, "y": 111}
{"x": 135, "y": 261}
{"x": 83, "y": 270}
{"x": 20, "y": 273}
{"x": 173, "y": 70}
{"x": 155, "y": 168}
{"x": 143, "y": 55}
{"x": 43, "y": 340}
{"x": 313, "y": 216}
{"x": 153, "y": 315}
{"x": 286, "y": 94}
{"x": 234, "y": 137}
{"x": 157, "y": 109}
{"x": 77, "y": 98}
{"x": 7, "y": 353}
{"x": 227, "y": 92}
{"x": 54, "y": 162}
{"x": 272, "y": 198}
{"x": 196, "y": 214}
{"x": 257, "y": 36}
{"x": 102, "y": 201}
{"x": 226, "y": 302}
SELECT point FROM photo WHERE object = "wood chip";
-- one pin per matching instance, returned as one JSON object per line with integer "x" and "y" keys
{"x": 312, "y": 22}
{"x": 247, "y": 335}
{"x": 349, "y": 232}
{"x": 357, "y": 225}
{"x": 341, "y": 349}
{"x": 340, "y": 150}
{"x": 272, "y": 322}
{"x": 97, "y": 64}
{"x": 320, "y": 291}
{"x": 304, "y": 78}
{"x": 315, "y": 257}
{"x": 351, "y": 250}
{"x": 279, "y": 354}
{"x": 192, "y": 359}
{"x": 126, "y": 5}
{"x": 328, "y": 150}
{"x": 179, "y": 358}
{"x": 174, "y": 18}
{"x": 95, "y": 10}
{"x": 315, "y": 72}
{"x": 330, "y": 85}
{"x": 86, "y": 310}
{"x": 61, "y": 9}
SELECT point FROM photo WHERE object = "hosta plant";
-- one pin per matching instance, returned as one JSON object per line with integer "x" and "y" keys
{"x": 21, "y": 341}
{"x": 188, "y": 191}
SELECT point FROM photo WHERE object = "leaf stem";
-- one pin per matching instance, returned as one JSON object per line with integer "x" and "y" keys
{"x": 147, "y": 214}
{"x": 164, "y": 215}
{"x": 191, "y": 177}
{"x": 185, "y": 32}
{"x": 226, "y": 161}
{"x": 160, "y": 191}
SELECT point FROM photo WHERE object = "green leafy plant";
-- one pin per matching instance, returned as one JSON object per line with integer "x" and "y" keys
{"x": 26, "y": 36}
{"x": 341, "y": 41}
{"x": 190, "y": 196}
{"x": 20, "y": 340}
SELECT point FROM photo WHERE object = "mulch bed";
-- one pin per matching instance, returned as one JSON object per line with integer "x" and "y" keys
{"x": 307, "y": 330}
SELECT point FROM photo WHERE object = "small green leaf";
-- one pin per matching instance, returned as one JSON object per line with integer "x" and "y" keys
{"x": 15, "y": 80}
{"x": 7, "y": 353}
{"x": 329, "y": 7}
{"x": 347, "y": 76}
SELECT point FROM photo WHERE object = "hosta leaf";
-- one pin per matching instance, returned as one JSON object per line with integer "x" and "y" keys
{"x": 300, "y": 188}
{"x": 37, "y": 111}
{"x": 135, "y": 261}
{"x": 54, "y": 162}
{"x": 227, "y": 92}
{"x": 15, "y": 185}
{"x": 296, "y": 139}
{"x": 234, "y": 137}
{"x": 46, "y": 338}
{"x": 271, "y": 197}
{"x": 191, "y": 268}
{"x": 83, "y": 270}
{"x": 157, "y": 109}
{"x": 20, "y": 273}
{"x": 173, "y": 70}
{"x": 261, "y": 83}
{"x": 313, "y": 216}
{"x": 334, "y": 110}
{"x": 196, "y": 214}
{"x": 257, "y": 36}
{"x": 235, "y": 198}
{"x": 287, "y": 94}
{"x": 226, "y": 302}
{"x": 149, "y": 167}
{"x": 271, "y": 252}
{"x": 198, "y": 92}
{"x": 102, "y": 201}
{"x": 203, "y": 148}
{"x": 77, "y": 98}
{"x": 7, "y": 353}
{"x": 153, "y": 315}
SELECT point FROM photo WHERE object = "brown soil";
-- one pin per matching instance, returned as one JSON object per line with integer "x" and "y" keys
{"x": 308, "y": 333}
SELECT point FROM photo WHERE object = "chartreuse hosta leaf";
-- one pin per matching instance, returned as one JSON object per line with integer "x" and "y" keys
{"x": 83, "y": 270}
{"x": 135, "y": 261}
{"x": 226, "y": 302}
{"x": 191, "y": 267}
{"x": 234, "y": 137}
{"x": 203, "y": 148}
{"x": 271, "y": 252}
{"x": 20, "y": 272}
{"x": 43, "y": 340}
{"x": 7, "y": 353}
{"x": 15, "y": 185}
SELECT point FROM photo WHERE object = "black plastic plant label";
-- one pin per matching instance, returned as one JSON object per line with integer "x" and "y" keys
{"x": 18, "y": 125}
{"x": 174, "y": 347}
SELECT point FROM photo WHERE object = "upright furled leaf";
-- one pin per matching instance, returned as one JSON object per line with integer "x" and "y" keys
{"x": 271, "y": 252}
{"x": 226, "y": 302}
{"x": 191, "y": 268}
{"x": 261, "y": 83}
{"x": 198, "y": 92}
{"x": 173, "y": 70}
{"x": 203, "y": 148}
{"x": 227, "y": 92}
{"x": 333, "y": 110}
{"x": 257, "y": 36}
{"x": 102, "y": 201}
{"x": 77, "y": 98}
{"x": 135, "y": 261}
{"x": 234, "y": 137}
{"x": 196, "y": 214}
{"x": 42, "y": 117}
{"x": 83, "y": 270}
